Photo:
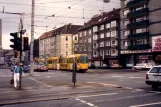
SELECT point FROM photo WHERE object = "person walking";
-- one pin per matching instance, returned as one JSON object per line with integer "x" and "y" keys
{"x": 17, "y": 75}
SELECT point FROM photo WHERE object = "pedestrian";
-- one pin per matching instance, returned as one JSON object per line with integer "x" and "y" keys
{"x": 17, "y": 74}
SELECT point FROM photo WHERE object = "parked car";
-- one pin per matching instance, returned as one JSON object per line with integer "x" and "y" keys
{"x": 116, "y": 66}
{"x": 142, "y": 66}
{"x": 26, "y": 68}
{"x": 153, "y": 77}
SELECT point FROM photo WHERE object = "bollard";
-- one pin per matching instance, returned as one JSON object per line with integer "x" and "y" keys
{"x": 74, "y": 73}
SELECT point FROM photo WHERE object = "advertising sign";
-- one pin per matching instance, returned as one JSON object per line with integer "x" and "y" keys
{"x": 156, "y": 44}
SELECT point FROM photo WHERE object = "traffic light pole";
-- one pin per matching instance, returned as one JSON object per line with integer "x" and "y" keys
{"x": 20, "y": 76}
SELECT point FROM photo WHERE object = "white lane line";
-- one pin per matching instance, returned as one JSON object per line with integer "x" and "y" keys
{"x": 85, "y": 102}
{"x": 137, "y": 77}
{"x": 97, "y": 95}
{"x": 40, "y": 82}
{"x": 137, "y": 90}
{"x": 112, "y": 85}
{"x": 143, "y": 105}
{"x": 117, "y": 76}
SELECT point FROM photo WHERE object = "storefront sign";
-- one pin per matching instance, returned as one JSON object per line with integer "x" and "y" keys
{"x": 156, "y": 44}
{"x": 135, "y": 51}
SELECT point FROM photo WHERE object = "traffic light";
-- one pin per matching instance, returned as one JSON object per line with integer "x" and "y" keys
{"x": 25, "y": 43}
{"x": 16, "y": 41}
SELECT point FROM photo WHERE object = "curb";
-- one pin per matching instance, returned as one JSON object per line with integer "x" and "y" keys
{"x": 70, "y": 95}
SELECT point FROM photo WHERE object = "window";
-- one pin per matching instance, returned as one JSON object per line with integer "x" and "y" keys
{"x": 138, "y": 8}
{"x": 75, "y": 38}
{"x": 84, "y": 33}
{"x": 113, "y": 33}
{"x": 101, "y": 27}
{"x": 107, "y": 25}
{"x": 102, "y": 35}
{"x": 113, "y": 24}
{"x": 140, "y": 19}
{"x": 113, "y": 42}
{"x": 108, "y": 34}
{"x": 95, "y": 29}
{"x": 85, "y": 41}
{"x": 80, "y": 34}
{"x": 66, "y": 38}
{"x": 125, "y": 33}
{"x": 125, "y": 43}
{"x": 101, "y": 44}
{"x": 95, "y": 45}
{"x": 107, "y": 43}
{"x": 125, "y": 12}
{"x": 154, "y": 69}
{"x": 108, "y": 52}
{"x": 114, "y": 52}
{"x": 125, "y": 22}
{"x": 95, "y": 37}
{"x": 89, "y": 32}
{"x": 95, "y": 54}
{"x": 89, "y": 40}
{"x": 142, "y": 41}
{"x": 101, "y": 53}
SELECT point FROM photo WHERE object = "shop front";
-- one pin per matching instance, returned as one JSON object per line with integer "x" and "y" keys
{"x": 131, "y": 58}
{"x": 156, "y": 49}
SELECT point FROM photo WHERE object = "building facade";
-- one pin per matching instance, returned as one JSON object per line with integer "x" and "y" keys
{"x": 45, "y": 44}
{"x": 140, "y": 32}
{"x": 99, "y": 38}
{"x": 63, "y": 39}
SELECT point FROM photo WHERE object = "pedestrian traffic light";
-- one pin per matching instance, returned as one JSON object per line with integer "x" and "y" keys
{"x": 25, "y": 43}
{"x": 16, "y": 41}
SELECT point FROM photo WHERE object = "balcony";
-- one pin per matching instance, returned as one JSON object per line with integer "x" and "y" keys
{"x": 139, "y": 47}
{"x": 138, "y": 13}
{"x": 134, "y": 3}
{"x": 140, "y": 24}
{"x": 139, "y": 35}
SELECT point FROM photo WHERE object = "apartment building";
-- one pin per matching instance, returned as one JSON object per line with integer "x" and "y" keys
{"x": 140, "y": 32}
{"x": 63, "y": 39}
{"x": 99, "y": 38}
{"x": 45, "y": 44}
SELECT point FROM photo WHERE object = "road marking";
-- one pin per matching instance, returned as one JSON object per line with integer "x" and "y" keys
{"x": 137, "y": 77}
{"x": 137, "y": 90}
{"x": 117, "y": 76}
{"x": 40, "y": 82}
{"x": 155, "y": 92}
{"x": 139, "y": 82}
{"x": 97, "y": 95}
{"x": 85, "y": 102}
{"x": 146, "y": 104}
{"x": 104, "y": 84}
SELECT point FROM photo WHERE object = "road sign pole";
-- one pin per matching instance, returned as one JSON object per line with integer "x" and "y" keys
{"x": 20, "y": 82}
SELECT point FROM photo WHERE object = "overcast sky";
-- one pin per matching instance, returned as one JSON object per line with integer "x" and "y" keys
{"x": 66, "y": 11}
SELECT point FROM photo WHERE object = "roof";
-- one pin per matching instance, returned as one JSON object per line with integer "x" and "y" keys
{"x": 67, "y": 29}
{"x": 47, "y": 34}
{"x": 102, "y": 18}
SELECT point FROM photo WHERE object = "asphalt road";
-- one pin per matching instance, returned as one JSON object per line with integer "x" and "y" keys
{"x": 55, "y": 89}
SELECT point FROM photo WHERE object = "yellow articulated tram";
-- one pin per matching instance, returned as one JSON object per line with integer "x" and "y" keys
{"x": 52, "y": 62}
{"x": 66, "y": 62}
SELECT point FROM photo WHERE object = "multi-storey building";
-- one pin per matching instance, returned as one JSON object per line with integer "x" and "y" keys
{"x": 99, "y": 38}
{"x": 45, "y": 45}
{"x": 62, "y": 38}
{"x": 140, "y": 32}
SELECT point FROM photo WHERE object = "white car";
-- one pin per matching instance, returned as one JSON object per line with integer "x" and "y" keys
{"x": 153, "y": 77}
{"x": 142, "y": 66}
